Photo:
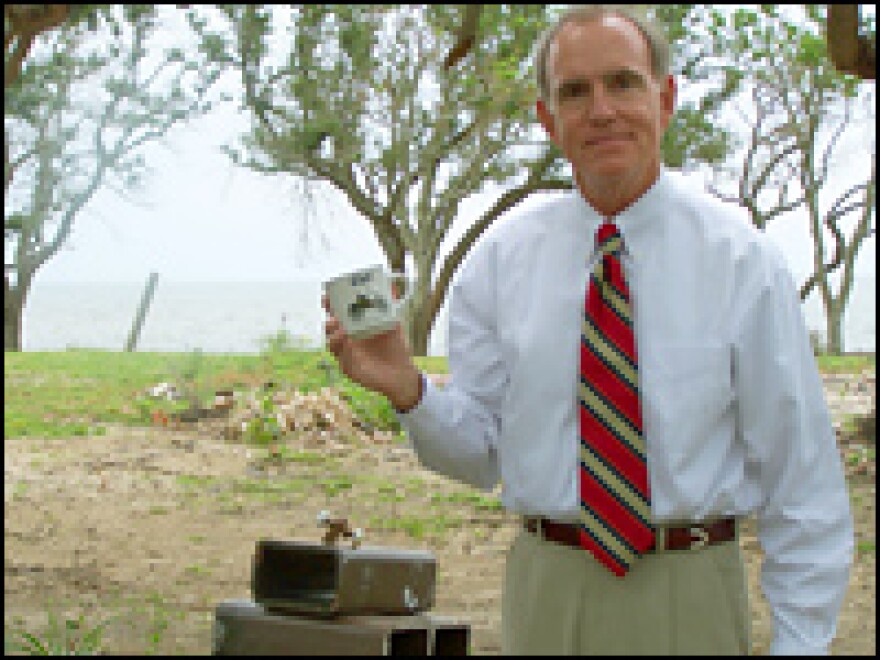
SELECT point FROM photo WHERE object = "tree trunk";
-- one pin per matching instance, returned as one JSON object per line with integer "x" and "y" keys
{"x": 13, "y": 308}
{"x": 834, "y": 324}
{"x": 420, "y": 327}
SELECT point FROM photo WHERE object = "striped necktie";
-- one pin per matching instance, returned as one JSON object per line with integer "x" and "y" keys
{"x": 614, "y": 491}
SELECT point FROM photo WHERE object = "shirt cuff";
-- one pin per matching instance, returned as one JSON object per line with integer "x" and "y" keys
{"x": 419, "y": 410}
{"x": 783, "y": 644}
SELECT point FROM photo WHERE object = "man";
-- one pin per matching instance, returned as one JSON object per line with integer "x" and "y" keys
{"x": 631, "y": 362}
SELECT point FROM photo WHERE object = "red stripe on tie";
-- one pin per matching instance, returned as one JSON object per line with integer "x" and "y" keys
{"x": 624, "y": 398}
{"x": 610, "y": 448}
{"x": 610, "y": 324}
{"x": 607, "y": 508}
{"x": 602, "y": 555}
{"x": 614, "y": 273}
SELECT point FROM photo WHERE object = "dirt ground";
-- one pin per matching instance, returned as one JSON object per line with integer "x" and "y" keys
{"x": 148, "y": 529}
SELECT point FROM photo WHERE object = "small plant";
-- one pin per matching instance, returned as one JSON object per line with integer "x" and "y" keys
{"x": 334, "y": 486}
{"x": 156, "y": 615}
{"x": 193, "y": 379}
{"x": 263, "y": 429}
{"x": 276, "y": 345}
{"x": 159, "y": 412}
{"x": 281, "y": 341}
{"x": 73, "y": 637}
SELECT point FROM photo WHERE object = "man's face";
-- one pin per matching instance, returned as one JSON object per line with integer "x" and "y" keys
{"x": 607, "y": 112}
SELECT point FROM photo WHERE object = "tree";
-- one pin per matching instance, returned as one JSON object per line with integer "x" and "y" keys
{"x": 22, "y": 24}
{"x": 851, "y": 43}
{"x": 852, "y": 50}
{"x": 64, "y": 141}
{"x": 797, "y": 102}
{"x": 361, "y": 99}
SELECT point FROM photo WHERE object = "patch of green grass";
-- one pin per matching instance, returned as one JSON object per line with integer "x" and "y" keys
{"x": 284, "y": 454}
{"x": 228, "y": 492}
{"x": 843, "y": 364}
{"x": 197, "y": 569}
{"x": 415, "y": 484}
{"x": 866, "y": 547}
{"x": 270, "y": 489}
{"x": 418, "y": 527}
{"x": 72, "y": 633}
{"x": 477, "y": 500}
{"x": 76, "y": 392}
{"x": 332, "y": 486}
{"x": 72, "y": 636}
{"x": 390, "y": 493}
{"x": 195, "y": 482}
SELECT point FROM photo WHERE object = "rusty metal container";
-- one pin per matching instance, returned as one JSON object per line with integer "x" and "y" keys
{"x": 328, "y": 580}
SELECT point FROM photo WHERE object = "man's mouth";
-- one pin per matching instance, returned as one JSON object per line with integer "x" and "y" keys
{"x": 608, "y": 140}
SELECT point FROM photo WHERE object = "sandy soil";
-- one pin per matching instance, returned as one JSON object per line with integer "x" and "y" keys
{"x": 148, "y": 529}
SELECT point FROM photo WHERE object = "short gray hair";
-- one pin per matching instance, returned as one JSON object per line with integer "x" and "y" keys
{"x": 653, "y": 34}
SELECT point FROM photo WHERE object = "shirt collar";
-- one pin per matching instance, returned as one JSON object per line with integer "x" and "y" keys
{"x": 636, "y": 220}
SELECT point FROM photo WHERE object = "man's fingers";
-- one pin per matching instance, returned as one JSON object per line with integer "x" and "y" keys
{"x": 331, "y": 326}
{"x": 334, "y": 336}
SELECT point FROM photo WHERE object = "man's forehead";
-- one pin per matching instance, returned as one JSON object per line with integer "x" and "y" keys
{"x": 630, "y": 49}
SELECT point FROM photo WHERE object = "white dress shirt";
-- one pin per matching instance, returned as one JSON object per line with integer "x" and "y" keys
{"x": 734, "y": 416}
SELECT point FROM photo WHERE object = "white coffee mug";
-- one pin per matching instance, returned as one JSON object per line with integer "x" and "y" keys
{"x": 363, "y": 302}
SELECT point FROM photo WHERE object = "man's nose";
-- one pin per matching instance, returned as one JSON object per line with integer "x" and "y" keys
{"x": 601, "y": 104}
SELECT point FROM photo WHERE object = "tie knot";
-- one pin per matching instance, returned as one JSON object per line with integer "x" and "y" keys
{"x": 608, "y": 238}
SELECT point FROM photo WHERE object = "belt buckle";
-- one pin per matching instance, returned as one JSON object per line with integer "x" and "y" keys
{"x": 702, "y": 538}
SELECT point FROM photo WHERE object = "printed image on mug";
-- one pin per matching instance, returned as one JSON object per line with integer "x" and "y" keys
{"x": 363, "y": 300}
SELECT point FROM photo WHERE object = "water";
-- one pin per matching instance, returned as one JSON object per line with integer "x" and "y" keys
{"x": 235, "y": 317}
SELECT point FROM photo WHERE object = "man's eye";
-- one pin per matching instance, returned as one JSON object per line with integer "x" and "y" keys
{"x": 624, "y": 80}
{"x": 572, "y": 90}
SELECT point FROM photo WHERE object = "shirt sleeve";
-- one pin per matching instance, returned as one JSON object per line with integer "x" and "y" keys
{"x": 804, "y": 521}
{"x": 454, "y": 429}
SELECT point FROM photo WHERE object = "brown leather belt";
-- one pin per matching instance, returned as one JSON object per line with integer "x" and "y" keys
{"x": 677, "y": 538}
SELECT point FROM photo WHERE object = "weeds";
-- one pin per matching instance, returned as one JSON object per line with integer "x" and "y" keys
{"x": 72, "y": 637}
{"x": 477, "y": 500}
{"x": 417, "y": 527}
{"x": 263, "y": 429}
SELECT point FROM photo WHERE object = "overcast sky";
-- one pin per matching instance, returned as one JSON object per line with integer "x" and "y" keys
{"x": 199, "y": 218}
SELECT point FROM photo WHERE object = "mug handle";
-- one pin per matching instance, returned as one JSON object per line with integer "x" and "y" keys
{"x": 410, "y": 287}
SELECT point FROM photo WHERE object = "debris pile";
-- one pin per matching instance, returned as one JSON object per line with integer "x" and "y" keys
{"x": 294, "y": 412}
{"x": 852, "y": 402}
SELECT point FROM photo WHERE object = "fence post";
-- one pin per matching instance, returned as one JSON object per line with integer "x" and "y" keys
{"x": 142, "y": 312}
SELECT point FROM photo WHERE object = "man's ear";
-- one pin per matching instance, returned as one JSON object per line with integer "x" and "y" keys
{"x": 668, "y": 96}
{"x": 548, "y": 121}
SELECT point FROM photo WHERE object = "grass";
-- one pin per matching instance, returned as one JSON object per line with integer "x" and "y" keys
{"x": 67, "y": 633}
{"x": 76, "y": 392}
{"x": 72, "y": 637}
{"x": 418, "y": 527}
{"x": 475, "y": 499}
{"x": 846, "y": 364}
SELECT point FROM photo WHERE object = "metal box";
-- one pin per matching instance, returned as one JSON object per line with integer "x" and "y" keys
{"x": 247, "y": 628}
{"x": 331, "y": 580}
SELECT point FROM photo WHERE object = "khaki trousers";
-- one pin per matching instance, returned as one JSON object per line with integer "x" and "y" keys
{"x": 559, "y": 600}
